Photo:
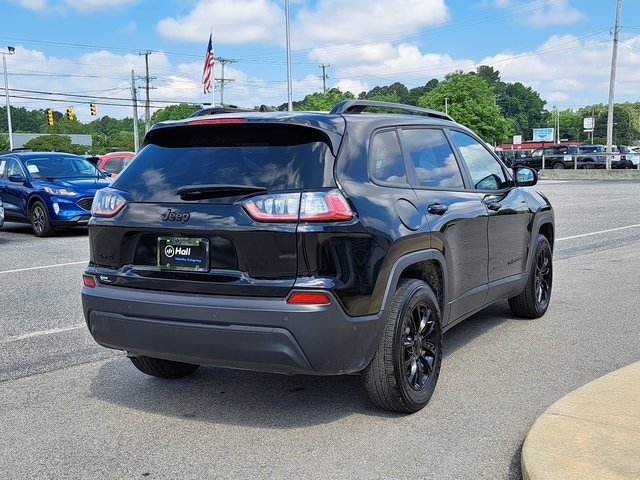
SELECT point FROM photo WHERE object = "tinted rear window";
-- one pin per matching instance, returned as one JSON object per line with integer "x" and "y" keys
{"x": 272, "y": 158}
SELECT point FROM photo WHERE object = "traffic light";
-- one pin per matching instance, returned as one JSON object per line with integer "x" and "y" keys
{"x": 50, "y": 117}
{"x": 70, "y": 115}
{"x": 92, "y": 107}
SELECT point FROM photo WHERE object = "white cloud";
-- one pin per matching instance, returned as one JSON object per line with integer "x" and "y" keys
{"x": 231, "y": 21}
{"x": 64, "y": 5}
{"x": 32, "y": 5}
{"x": 543, "y": 13}
{"x": 337, "y": 21}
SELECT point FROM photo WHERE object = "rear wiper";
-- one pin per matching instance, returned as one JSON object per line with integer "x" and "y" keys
{"x": 198, "y": 192}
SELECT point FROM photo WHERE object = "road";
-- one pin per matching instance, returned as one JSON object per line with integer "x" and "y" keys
{"x": 72, "y": 409}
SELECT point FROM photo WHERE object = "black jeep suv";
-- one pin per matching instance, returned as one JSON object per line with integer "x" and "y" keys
{"x": 313, "y": 243}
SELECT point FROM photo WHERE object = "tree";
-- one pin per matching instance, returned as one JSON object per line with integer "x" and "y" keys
{"x": 490, "y": 75}
{"x": 322, "y": 102}
{"x": 523, "y": 106}
{"x": 174, "y": 112}
{"x": 396, "y": 93}
{"x": 54, "y": 143}
{"x": 472, "y": 103}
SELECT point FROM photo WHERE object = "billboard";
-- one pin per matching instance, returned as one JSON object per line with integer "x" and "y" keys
{"x": 543, "y": 134}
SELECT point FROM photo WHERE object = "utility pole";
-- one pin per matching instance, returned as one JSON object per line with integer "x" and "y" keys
{"x": 324, "y": 76}
{"x": 147, "y": 110}
{"x": 223, "y": 81}
{"x": 10, "y": 51}
{"x": 134, "y": 97}
{"x": 612, "y": 83}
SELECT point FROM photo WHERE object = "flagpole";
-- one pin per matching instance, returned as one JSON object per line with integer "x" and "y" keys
{"x": 213, "y": 77}
{"x": 289, "y": 94}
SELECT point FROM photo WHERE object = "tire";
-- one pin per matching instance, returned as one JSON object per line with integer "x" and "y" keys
{"x": 587, "y": 165}
{"x": 158, "y": 367}
{"x": 40, "y": 222}
{"x": 558, "y": 166}
{"x": 403, "y": 373}
{"x": 534, "y": 299}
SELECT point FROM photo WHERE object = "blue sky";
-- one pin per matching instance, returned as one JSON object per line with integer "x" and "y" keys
{"x": 74, "y": 52}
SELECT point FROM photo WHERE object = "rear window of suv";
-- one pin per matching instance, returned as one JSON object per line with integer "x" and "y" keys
{"x": 276, "y": 159}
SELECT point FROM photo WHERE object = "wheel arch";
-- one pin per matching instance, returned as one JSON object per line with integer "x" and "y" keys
{"x": 426, "y": 265}
{"x": 33, "y": 199}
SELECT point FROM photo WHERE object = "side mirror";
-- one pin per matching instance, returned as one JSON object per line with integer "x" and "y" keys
{"x": 17, "y": 178}
{"x": 525, "y": 176}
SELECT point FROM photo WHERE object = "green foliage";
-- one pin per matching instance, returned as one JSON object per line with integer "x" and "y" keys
{"x": 54, "y": 143}
{"x": 322, "y": 102}
{"x": 174, "y": 112}
{"x": 4, "y": 141}
{"x": 471, "y": 102}
{"x": 522, "y": 106}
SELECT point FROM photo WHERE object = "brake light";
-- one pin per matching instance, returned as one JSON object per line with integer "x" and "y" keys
{"x": 209, "y": 121}
{"x": 306, "y": 206}
{"x": 309, "y": 298}
{"x": 107, "y": 203}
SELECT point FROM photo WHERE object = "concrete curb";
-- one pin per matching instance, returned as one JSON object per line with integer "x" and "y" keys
{"x": 593, "y": 432}
{"x": 596, "y": 174}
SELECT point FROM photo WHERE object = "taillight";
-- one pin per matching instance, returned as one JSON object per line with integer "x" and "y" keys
{"x": 306, "y": 207}
{"x": 107, "y": 203}
{"x": 89, "y": 281}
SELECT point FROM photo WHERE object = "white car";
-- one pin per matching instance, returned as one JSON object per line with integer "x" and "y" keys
{"x": 631, "y": 154}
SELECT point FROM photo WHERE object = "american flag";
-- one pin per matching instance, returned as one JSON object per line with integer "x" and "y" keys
{"x": 207, "y": 71}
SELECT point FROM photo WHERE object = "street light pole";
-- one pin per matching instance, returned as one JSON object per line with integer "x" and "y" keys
{"x": 288, "y": 39}
{"x": 10, "y": 51}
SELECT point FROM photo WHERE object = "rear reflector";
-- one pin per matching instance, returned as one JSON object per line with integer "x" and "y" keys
{"x": 309, "y": 298}
{"x": 89, "y": 281}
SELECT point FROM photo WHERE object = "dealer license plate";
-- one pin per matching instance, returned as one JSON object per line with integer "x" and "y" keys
{"x": 181, "y": 253}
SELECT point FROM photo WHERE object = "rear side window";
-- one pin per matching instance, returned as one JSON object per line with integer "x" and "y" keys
{"x": 227, "y": 156}
{"x": 385, "y": 158}
{"x": 433, "y": 160}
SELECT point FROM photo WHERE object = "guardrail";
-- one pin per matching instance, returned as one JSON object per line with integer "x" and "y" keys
{"x": 606, "y": 160}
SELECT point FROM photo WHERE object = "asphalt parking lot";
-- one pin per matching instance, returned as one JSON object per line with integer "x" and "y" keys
{"x": 72, "y": 409}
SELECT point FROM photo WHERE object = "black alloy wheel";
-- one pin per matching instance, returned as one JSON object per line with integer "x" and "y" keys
{"x": 403, "y": 373}
{"x": 534, "y": 299}
{"x": 543, "y": 277}
{"x": 40, "y": 222}
{"x": 419, "y": 345}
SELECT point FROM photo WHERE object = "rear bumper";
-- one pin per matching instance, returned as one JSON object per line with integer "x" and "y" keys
{"x": 260, "y": 334}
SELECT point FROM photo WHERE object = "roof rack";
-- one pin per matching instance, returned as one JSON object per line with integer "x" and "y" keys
{"x": 358, "y": 106}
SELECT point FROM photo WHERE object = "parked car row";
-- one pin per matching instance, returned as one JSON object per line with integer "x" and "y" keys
{"x": 575, "y": 156}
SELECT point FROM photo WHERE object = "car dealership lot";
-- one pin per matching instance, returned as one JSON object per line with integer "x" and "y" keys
{"x": 73, "y": 409}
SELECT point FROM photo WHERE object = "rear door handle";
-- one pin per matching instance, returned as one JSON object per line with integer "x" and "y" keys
{"x": 436, "y": 209}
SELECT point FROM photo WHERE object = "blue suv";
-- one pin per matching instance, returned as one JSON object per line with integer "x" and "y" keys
{"x": 48, "y": 189}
